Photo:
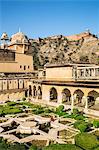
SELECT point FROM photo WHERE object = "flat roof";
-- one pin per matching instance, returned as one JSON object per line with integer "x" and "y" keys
{"x": 68, "y": 65}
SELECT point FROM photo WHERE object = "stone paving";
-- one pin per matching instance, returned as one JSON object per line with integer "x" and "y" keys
{"x": 52, "y": 135}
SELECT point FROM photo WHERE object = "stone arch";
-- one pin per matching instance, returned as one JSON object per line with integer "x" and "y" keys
{"x": 39, "y": 92}
{"x": 93, "y": 98}
{"x": 66, "y": 96}
{"x": 30, "y": 90}
{"x": 26, "y": 93}
{"x": 78, "y": 95}
{"x": 18, "y": 84}
{"x": 34, "y": 91}
{"x": 53, "y": 94}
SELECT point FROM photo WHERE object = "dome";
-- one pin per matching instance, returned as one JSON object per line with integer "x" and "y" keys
{"x": 19, "y": 38}
{"x": 4, "y": 36}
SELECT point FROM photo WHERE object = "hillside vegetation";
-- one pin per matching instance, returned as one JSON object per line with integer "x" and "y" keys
{"x": 79, "y": 48}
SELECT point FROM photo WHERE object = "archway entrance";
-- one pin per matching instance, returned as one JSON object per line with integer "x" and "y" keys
{"x": 78, "y": 95}
{"x": 30, "y": 90}
{"x": 53, "y": 94}
{"x": 26, "y": 93}
{"x": 34, "y": 91}
{"x": 93, "y": 98}
{"x": 39, "y": 93}
{"x": 66, "y": 96}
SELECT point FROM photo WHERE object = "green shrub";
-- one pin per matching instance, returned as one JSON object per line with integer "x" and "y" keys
{"x": 9, "y": 146}
{"x": 11, "y": 103}
{"x": 75, "y": 111}
{"x": 47, "y": 110}
{"x": 86, "y": 141}
{"x": 96, "y": 123}
{"x": 66, "y": 115}
{"x": 60, "y": 113}
{"x": 82, "y": 125}
{"x": 33, "y": 147}
{"x": 3, "y": 145}
{"x": 12, "y": 111}
{"x": 79, "y": 117}
{"x": 1, "y": 112}
{"x": 16, "y": 146}
{"x": 60, "y": 108}
{"x": 97, "y": 148}
{"x": 24, "y": 98}
{"x": 61, "y": 147}
{"x": 38, "y": 110}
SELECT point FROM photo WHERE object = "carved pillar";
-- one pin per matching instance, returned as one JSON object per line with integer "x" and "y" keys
{"x": 72, "y": 103}
{"x": 86, "y": 102}
{"x": 32, "y": 92}
{"x": 84, "y": 72}
{"x": 59, "y": 98}
{"x": 37, "y": 94}
{"x": 94, "y": 72}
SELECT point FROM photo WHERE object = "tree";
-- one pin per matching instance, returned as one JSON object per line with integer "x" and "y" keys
{"x": 86, "y": 141}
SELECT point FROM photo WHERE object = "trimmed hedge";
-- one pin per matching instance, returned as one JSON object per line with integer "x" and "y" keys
{"x": 62, "y": 147}
{"x": 12, "y": 111}
{"x": 33, "y": 147}
{"x": 60, "y": 108}
{"x": 86, "y": 141}
{"x": 82, "y": 125}
{"x": 11, "y": 103}
{"x": 10, "y": 108}
{"x": 97, "y": 148}
{"x": 9, "y": 146}
{"x": 75, "y": 111}
{"x": 96, "y": 123}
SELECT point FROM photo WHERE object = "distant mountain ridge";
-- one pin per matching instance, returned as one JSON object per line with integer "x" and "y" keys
{"x": 78, "y": 48}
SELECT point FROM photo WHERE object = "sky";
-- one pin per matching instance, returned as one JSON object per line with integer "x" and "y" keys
{"x": 43, "y": 18}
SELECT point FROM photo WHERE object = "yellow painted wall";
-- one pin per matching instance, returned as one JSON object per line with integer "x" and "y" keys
{"x": 59, "y": 73}
{"x": 46, "y": 91}
{"x": 20, "y": 60}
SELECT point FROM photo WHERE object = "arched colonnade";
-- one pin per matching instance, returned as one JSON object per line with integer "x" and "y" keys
{"x": 35, "y": 91}
{"x": 67, "y": 95}
{"x": 83, "y": 97}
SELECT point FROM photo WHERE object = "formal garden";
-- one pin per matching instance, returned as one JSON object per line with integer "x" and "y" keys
{"x": 86, "y": 139}
{"x": 83, "y": 141}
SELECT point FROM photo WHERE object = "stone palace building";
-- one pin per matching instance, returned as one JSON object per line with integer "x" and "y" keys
{"x": 73, "y": 85}
{"x": 16, "y": 67}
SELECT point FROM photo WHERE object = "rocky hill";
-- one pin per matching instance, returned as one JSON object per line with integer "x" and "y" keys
{"x": 79, "y": 48}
